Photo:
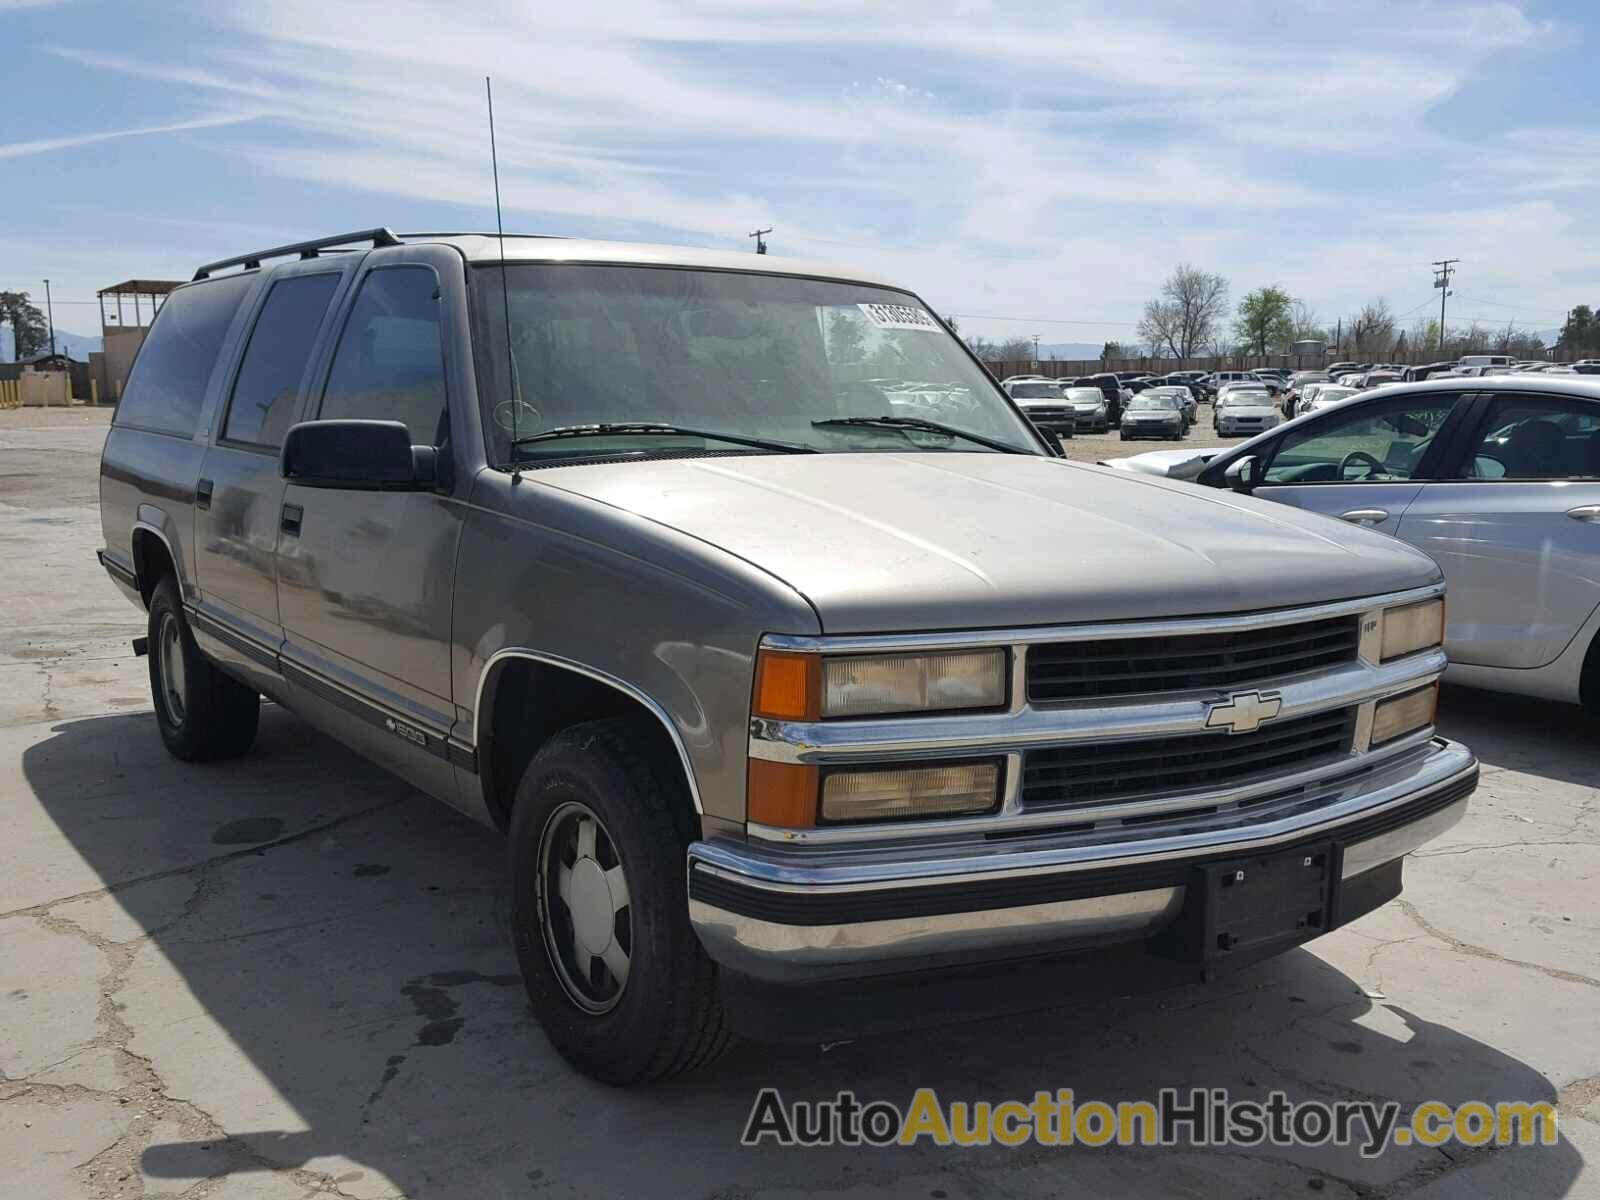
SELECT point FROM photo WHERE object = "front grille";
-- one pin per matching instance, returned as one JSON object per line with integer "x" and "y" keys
{"x": 1063, "y": 671}
{"x": 1045, "y": 412}
{"x": 1067, "y": 776}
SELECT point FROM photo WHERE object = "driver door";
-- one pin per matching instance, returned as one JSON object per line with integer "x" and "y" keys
{"x": 1362, "y": 463}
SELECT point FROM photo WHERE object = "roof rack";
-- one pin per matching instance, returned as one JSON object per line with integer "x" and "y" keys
{"x": 250, "y": 262}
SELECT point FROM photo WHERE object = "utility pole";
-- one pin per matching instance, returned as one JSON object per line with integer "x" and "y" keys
{"x": 1338, "y": 339}
{"x": 1036, "y": 349}
{"x": 1444, "y": 267}
{"x": 50, "y": 316}
{"x": 761, "y": 245}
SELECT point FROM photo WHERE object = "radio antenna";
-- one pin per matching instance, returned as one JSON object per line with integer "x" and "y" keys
{"x": 505, "y": 295}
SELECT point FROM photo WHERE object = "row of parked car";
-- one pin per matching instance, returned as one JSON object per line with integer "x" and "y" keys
{"x": 1139, "y": 405}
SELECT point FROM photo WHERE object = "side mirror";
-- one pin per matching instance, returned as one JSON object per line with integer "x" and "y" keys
{"x": 369, "y": 456}
{"x": 1243, "y": 474}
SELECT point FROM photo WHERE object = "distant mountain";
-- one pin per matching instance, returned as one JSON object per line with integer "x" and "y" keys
{"x": 75, "y": 345}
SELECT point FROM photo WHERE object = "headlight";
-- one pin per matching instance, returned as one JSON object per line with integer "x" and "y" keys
{"x": 806, "y": 687}
{"x": 856, "y": 685}
{"x": 897, "y": 793}
{"x": 1404, "y": 714}
{"x": 1411, "y": 628}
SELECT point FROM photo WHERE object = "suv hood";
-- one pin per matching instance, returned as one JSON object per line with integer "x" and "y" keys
{"x": 884, "y": 543}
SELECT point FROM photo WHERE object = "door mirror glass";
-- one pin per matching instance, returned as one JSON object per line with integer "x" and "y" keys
{"x": 357, "y": 456}
{"x": 1243, "y": 474}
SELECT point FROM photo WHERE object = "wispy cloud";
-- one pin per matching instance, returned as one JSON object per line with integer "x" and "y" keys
{"x": 43, "y": 145}
{"x": 1021, "y": 156}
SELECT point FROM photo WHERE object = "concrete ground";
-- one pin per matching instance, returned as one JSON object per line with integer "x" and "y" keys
{"x": 1097, "y": 447}
{"x": 288, "y": 976}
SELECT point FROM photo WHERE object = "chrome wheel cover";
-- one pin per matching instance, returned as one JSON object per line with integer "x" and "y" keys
{"x": 173, "y": 692}
{"x": 585, "y": 912}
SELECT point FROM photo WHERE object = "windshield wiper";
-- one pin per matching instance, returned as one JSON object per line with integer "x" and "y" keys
{"x": 918, "y": 423}
{"x": 656, "y": 429}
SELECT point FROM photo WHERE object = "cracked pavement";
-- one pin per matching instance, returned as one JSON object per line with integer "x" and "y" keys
{"x": 289, "y": 977}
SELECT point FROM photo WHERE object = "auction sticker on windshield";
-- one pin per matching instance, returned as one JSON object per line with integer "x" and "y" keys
{"x": 899, "y": 316}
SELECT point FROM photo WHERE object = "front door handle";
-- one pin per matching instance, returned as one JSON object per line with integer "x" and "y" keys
{"x": 202, "y": 493}
{"x": 1588, "y": 512}
{"x": 1365, "y": 516}
{"x": 290, "y": 520}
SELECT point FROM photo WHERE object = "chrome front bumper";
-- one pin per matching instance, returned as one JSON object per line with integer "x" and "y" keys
{"x": 792, "y": 913}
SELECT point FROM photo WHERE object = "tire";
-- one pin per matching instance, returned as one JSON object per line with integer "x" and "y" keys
{"x": 203, "y": 714}
{"x": 1589, "y": 680}
{"x": 664, "y": 1015}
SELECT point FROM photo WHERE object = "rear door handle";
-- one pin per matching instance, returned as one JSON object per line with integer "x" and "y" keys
{"x": 1365, "y": 516}
{"x": 1588, "y": 512}
{"x": 202, "y": 493}
{"x": 290, "y": 521}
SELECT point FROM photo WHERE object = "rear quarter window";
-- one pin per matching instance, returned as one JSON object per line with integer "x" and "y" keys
{"x": 167, "y": 385}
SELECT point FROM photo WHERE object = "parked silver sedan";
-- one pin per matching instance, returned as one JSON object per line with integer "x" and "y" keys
{"x": 1498, "y": 479}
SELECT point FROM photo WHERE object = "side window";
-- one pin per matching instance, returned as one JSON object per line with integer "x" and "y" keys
{"x": 168, "y": 384}
{"x": 1375, "y": 444}
{"x": 1537, "y": 437}
{"x": 262, "y": 407}
{"x": 389, "y": 366}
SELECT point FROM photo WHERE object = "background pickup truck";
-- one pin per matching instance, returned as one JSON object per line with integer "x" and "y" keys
{"x": 638, "y": 554}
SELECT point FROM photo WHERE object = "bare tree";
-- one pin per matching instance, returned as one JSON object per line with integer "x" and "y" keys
{"x": 1187, "y": 314}
{"x": 1305, "y": 324}
{"x": 1372, "y": 330}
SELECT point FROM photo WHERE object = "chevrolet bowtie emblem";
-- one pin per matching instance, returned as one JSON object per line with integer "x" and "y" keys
{"x": 1244, "y": 712}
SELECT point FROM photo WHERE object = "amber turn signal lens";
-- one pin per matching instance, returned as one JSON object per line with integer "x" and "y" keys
{"x": 781, "y": 794}
{"x": 788, "y": 686}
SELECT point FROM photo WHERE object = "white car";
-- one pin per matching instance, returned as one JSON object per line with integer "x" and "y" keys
{"x": 1329, "y": 396}
{"x": 1243, "y": 411}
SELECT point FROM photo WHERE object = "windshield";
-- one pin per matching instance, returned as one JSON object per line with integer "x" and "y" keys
{"x": 1243, "y": 396}
{"x": 1151, "y": 400}
{"x": 758, "y": 356}
{"x": 1035, "y": 391}
{"x": 1084, "y": 395}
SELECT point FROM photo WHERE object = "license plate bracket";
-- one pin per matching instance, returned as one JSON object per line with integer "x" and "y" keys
{"x": 1256, "y": 906}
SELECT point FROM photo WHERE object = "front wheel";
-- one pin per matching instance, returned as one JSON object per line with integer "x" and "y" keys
{"x": 202, "y": 713}
{"x": 600, "y": 909}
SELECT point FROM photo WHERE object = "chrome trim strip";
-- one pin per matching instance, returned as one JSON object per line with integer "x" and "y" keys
{"x": 856, "y": 869}
{"x": 765, "y": 948}
{"x": 1386, "y": 847}
{"x": 1013, "y": 816}
{"x": 599, "y": 677}
{"x": 1168, "y": 627}
{"x": 1109, "y": 720}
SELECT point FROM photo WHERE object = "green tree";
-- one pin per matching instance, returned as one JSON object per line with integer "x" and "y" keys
{"x": 1265, "y": 320}
{"x": 1113, "y": 350}
{"x": 1581, "y": 330}
{"x": 30, "y": 332}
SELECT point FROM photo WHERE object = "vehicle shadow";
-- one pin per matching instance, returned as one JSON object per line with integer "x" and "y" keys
{"x": 1540, "y": 737}
{"x": 325, "y": 974}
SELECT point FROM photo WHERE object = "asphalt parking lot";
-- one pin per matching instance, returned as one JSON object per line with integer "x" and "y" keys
{"x": 1097, "y": 447}
{"x": 289, "y": 976}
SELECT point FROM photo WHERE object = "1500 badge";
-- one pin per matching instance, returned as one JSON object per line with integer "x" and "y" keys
{"x": 410, "y": 732}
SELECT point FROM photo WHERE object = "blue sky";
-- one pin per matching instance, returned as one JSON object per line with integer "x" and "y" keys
{"x": 1049, "y": 162}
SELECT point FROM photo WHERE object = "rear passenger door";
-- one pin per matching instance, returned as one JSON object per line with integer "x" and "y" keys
{"x": 366, "y": 577}
{"x": 1516, "y": 529}
{"x": 239, "y": 493}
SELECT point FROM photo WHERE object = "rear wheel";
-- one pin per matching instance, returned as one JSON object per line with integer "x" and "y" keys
{"x": 600, "y": 909}
{"x": 1589, "y": 681}
{"x": 202, "y": 713}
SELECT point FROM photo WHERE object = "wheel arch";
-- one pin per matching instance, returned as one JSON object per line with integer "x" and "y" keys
{"x": 153, "y": 557}
{"x": 535, "y": 695}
